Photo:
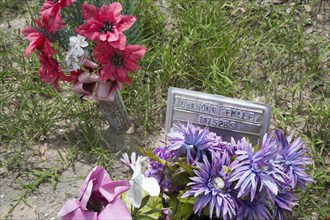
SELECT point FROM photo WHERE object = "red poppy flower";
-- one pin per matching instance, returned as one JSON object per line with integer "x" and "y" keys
{"x": 105, "y": 24}
{"x": 118, "y": 63}
{"x": 52, "y": 9}
{"x": 50, "y": 72}
{"x": 40, "y": 37}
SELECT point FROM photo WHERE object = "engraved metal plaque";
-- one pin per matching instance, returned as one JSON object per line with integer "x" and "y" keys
{"x": 225, "y": 116}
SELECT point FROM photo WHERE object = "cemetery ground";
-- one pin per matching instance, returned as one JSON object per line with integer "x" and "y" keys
{"x": 276, "y": 52}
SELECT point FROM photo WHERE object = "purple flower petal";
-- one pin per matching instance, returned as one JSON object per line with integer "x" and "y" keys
{"x": 116, "y": 210}
{"x": 111, "y": 190}
{"x": 69, "y": 206}
{"x": 100, "y": 175}
{"x": 211, "y": 187}
{"x": 86, "y": 195}
{"x": 72, "y": 211}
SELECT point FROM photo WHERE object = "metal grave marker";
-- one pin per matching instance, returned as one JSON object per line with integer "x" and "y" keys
{"x": 225, "y": 116}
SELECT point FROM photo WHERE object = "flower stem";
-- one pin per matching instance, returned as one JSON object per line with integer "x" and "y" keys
{"x": 28, "y": 7}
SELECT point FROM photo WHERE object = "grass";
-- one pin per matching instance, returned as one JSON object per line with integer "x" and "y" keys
{"x": 240, "y": 49}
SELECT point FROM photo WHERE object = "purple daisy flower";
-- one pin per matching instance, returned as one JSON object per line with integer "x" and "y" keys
{"x": 211, "y": 142}
{"x": 189, "y": 141}
{"x": 292, "y": 157}
{"x": 218, "y": 145}
{"x": 256, "y": 209}
{"x": 212, "y": 187}
{"x": 284, "y": 202}
{"x": 254, "y": 170}
{"x": 233, "y": 146}
{"x": 158, "y": 170}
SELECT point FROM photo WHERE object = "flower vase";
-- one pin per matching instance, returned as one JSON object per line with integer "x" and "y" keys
{"x": 115, "y": 113}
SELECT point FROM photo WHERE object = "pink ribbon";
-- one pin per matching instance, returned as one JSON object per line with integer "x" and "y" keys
{"x": 91, "y": 87}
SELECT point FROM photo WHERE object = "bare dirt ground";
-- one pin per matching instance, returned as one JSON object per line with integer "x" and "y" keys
{"x": 46, "y": 202}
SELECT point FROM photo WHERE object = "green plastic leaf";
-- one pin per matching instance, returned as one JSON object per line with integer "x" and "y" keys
{"x": 145, "y": 217}
{"x": 190, "y": 200}
{"x": 187, "y": 167}
{"x": 180, "y": 177}
{"x": 183, "y": 211}
{"x": 143, "y": 203}
{"x": 154, "y": 203}
{"x": 153, "y": 211}
{"x": 151, "y": 155}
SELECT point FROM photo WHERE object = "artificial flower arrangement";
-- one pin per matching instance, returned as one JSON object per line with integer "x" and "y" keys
{"x": 198, "y": 176}
{"x": 88, "y": 49}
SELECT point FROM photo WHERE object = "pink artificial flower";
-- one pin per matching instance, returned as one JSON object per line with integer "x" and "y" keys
{"x": 166, "y": 214}
{"x": 52, "y": 9}
{"x": 98, "y": 199}
{"x": 118, "y": 63}
{"x": 50, "y": 71}
{"x": 105, "y": 24}
{"x": 40, "y": 37}
{"x": 89, "y": 85}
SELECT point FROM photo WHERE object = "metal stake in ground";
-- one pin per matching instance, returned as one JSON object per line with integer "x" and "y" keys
{"x": 115, "y": 113}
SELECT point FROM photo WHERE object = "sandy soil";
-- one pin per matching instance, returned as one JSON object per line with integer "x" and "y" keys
{"x": 46, "y": 202}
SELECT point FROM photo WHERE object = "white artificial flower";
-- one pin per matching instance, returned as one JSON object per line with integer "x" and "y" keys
{"x": 78, "y": 41}
{"x": 72, "y": 61}
{"x": 76, "y": 51}
{"x": 139, "y": 182}
{"x": 131, "y": 162}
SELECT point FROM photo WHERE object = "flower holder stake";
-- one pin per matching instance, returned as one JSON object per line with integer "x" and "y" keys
{"x": 115, "y": 113}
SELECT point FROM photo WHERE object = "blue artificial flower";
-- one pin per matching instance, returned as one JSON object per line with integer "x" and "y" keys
{"x": 254, "y": 171}
{"x": 212, "y": 187}
{"x": 190, "y": 141}
{"x": 158, "y": 170}
{"x": 284, "y": 202}
{"x": 293, "y": 159}
{"x": 212, "y": 142}
{"x": 253, "y": 210}
{"x": 220, "y": 146}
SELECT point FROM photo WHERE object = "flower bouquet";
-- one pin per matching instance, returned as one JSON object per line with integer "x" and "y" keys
{"x": 198, "y": 176}
{"x": 86, "y": 46}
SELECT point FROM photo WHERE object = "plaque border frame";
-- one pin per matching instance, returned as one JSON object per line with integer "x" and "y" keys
{"x": 172, "y": 91}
